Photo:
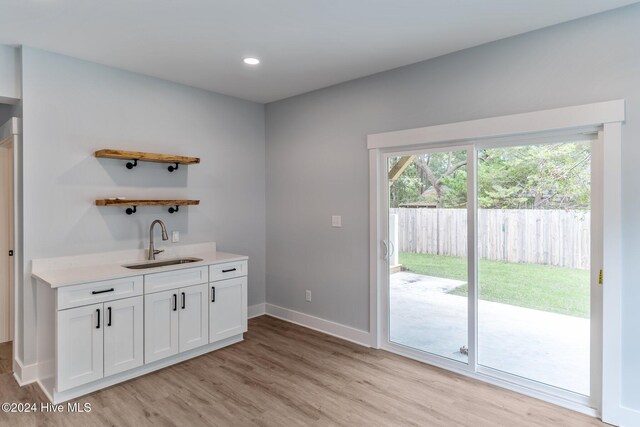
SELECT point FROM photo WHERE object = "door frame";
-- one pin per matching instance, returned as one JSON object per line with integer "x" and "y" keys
{"x": 606, "y": 118}
{"x": 6, "y": 229}
{"x": 10, "y": 134}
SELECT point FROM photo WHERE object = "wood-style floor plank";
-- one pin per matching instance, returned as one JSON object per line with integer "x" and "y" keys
{"x": 287, "y": 375}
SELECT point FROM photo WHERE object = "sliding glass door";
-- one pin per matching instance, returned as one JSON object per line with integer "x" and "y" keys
{"x": 428, "y": 252}
{"x": 534, "y": 251}
{"x": 489, "y": 256}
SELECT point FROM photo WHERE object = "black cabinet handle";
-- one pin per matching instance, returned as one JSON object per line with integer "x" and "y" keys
{"x": 229, "y": 270}
{"x": 98, "y": 325}
{"x": 102, "y": 292}
{"x": 109, "y": 311}
{"x": 213, "y": 294}
{"x": 175, "y": 302}
{"x": 184, "y": 303}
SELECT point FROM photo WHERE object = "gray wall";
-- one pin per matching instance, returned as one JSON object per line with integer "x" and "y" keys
{"x": 317, "y": 162}
{"x": 9, "y": 73}
{"x": 6, "y": 112}
{"x": 72, "y": 108}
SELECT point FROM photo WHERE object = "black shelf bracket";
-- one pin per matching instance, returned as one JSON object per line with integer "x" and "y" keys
{"x": 173, "y": 168}
{"x": 131, "y": 165}
{"x": 176, "y": 209}
{"x": 131, "y": 210}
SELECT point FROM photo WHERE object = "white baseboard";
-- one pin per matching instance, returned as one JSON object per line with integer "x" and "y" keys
{"x": 25, "y": 374}
{"x": 328, "y": 327}
{"x": 256, "y": 310}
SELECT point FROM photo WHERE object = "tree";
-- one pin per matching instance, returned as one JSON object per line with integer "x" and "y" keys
{"x": 549, "y": 176}
{"x": 407, "y": 188}
{"x": 439, "y": 167}
{"x": 428, "y": 171}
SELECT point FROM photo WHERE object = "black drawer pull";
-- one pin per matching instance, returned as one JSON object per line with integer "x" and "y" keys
{"x": 229, "y": 270}
{"x": 98, "y": 325}
{"x": 213, "y": 294}
{"x": 184, "y": 303}
{"x": 175, "y": 302}
{"x": 109, "y": 311}
{"x": 102, "y": 292}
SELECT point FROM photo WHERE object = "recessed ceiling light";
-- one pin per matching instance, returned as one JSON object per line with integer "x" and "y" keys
{"x": 251, "y": 61}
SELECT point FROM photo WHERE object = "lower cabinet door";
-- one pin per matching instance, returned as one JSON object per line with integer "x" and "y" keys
{"x": 194, "y": 317}
{"x": 160, "y": 325}
{"x": 123, "y": 329}
{"x": 227, "y": 308}
{"x": 79, "y": 349}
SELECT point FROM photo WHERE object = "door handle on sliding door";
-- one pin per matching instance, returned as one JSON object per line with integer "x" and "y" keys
{"x": 385, "y": 246}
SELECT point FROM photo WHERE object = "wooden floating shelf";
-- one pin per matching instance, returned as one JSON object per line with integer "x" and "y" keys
{"x": 139, "y": 202}
{"x": 135, "y": 156}
{"x": 134, "y": 203}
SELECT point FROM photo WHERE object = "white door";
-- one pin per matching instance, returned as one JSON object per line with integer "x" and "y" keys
{"x": 123, "y": 342}
{"x": 194, "y": 317}
{"x": 80, "y": 346}
{"x": 227, "y": 308}
{"x": 160, "y": 325}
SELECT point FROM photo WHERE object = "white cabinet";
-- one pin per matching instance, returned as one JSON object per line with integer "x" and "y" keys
{"x": 123, "y": 329}
{"x": 194, "y": 317}
{"x": 227, "y": 270}
{"x": 175, "y": 321}
{"x": 168, "y": 280}
{"x": 160, "y": 325}
{"x": 227, "y": 308}
{"x": 93, "y": 293}
{"x": 80, "y": 346}
{"x": 94, "y": 334}
{"x": 99, "y": 340}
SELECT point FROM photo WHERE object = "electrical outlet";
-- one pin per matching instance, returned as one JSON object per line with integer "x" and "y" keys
{"x": 336, "y": 221}
{"x": 307, "y": 296}
{"x": 175, "y": 236}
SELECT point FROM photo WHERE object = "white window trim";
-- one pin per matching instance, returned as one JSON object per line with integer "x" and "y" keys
{"x": 608, "y": 117}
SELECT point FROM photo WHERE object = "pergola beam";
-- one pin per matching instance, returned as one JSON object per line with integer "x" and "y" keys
{"x": 399, "y": 167}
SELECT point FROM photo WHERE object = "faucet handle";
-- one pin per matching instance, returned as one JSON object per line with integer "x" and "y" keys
{"x": 157, "y": 251}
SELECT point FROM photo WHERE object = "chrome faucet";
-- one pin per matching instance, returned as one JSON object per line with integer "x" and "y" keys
{"x": 152, "y": 250}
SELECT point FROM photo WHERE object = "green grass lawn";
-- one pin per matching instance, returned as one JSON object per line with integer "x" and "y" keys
{"x": 541, "y": 287}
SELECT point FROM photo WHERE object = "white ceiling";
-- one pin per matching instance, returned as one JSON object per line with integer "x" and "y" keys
{"x": 303, "y": 44}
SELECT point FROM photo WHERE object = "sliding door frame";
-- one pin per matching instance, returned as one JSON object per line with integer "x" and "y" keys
{"x": 606, "y": 119}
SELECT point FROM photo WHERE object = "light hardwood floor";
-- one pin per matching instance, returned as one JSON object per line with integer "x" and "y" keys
{"x": 286, "y": 375}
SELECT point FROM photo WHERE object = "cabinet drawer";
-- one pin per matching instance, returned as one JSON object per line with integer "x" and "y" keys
{"x": 228, "y": 270}
{"x": 92, "y": 293}
{"x": 157, "y": 282}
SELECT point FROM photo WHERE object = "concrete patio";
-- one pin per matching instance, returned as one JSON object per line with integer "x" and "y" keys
{"x": 546, "y": 347}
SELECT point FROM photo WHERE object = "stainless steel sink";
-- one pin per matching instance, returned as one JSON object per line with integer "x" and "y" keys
{"x": 154, "y": 264}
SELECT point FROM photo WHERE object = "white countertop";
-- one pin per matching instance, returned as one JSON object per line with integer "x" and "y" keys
{"x": 74, "y": 270}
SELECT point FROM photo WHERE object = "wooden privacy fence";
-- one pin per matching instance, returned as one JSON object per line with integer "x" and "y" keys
{"x": 534, "y": 236}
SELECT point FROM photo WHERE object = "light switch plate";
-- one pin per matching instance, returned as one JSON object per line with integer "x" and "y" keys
{"x": 175, "y": 236}
{"x": 336, "y": 221}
